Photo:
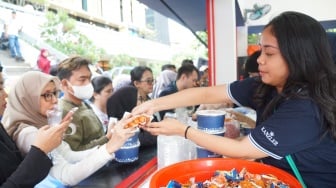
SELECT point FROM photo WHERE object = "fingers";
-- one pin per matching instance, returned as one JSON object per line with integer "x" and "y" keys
{"x": 58, "y": 129}
{"x": 144, "y": 108}
{"x": 128, "y": 122}
{"x": 126, "y": 115}
{"x": 112, "y": 121}
{"x": 68, "y": 117}
{"x": 64, "y": 126}
{"x": 121, "y": 126}
{"x": 110, "y": 129}
{"x": 48, "y": 138}
{"x": 49, "y": 129}
{"x": 152, "y": 128}
{"x": 120, "y": 136}
{"x": 136, "y": 110}
{"x": 46, "y": 127}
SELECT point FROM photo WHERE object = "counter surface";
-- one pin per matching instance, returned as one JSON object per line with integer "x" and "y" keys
{"x": 114, "y": 173}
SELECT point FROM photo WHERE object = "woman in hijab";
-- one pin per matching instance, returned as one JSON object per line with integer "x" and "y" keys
{"x": 16, "y": 171}
{"x": 166, "y": 77}
{"x": 33, "y": 95}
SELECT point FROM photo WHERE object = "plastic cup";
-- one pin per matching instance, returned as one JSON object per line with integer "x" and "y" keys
{"x": 55, "y": 118}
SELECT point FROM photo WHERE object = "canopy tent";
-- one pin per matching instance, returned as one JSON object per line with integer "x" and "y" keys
{"x": 191, "y": 15}
{"x": 222, "y": 18}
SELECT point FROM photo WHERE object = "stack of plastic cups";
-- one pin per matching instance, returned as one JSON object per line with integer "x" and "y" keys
{"x": 211, "y": 122}
{"x": 188, "y": 147}
{"x": 129, "y": 152}
{"x": 169, "y": 150}
{"x": 173, "y": 149}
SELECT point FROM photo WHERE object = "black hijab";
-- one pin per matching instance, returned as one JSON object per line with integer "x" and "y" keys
{"x": 123, "y": 100}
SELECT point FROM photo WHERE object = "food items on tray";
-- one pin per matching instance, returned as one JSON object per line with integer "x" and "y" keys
{"x": 233, "y": 179}
{"x": 142, "y": 119}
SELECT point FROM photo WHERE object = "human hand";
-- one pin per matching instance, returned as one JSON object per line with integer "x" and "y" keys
{"x": 144, "y": 108}
{"x": 119, "y": 134}
{"x": 168, "y": 126}
{"x": 112, "y": 122}
{"x": 49, "y": 137}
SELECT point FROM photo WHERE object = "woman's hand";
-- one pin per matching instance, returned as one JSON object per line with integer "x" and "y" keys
{"x": 119, "y": 135}
{"x": 49, "y": 137}
{"x": 144, "y": 108}
{"x": 110, "y": 128}
{"x": 168, "y": 126}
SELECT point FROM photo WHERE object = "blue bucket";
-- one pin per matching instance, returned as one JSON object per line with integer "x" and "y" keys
{"x": 133, "y": 140}
{"x": 204, "y": 153}
{"x": 210, "y": 120}
{"x": 128, "y": 154}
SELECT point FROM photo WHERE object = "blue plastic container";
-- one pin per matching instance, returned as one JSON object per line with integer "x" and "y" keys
{"x": 204, "y": 153}
{"x": 133, "y": 140}
{"x": 210, "y": 120}
{"x": 128, "y": 154}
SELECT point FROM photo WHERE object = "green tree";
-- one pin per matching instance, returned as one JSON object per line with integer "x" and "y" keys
{"x": 60, "y": 32}
{"x": 253, "y": 38}
{"x": 123, "y": 60}
{"x": 196, "y": 50}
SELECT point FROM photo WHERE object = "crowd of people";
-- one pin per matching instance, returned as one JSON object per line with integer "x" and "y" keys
{"x": 72, "y": 86}
{"x": 289, "y": 83}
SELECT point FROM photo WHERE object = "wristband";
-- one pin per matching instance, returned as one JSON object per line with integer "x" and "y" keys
{"x": 186, "y": 132}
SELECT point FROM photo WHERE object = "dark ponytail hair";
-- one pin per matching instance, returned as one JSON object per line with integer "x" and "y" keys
{"x": 137, "y": 72}
{"x": 99, "y": 83}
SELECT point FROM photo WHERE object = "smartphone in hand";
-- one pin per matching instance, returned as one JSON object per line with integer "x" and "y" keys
{"x": 70, "y": 113}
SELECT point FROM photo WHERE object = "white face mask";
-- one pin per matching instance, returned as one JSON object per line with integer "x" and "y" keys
{"x": 83, "y": 92}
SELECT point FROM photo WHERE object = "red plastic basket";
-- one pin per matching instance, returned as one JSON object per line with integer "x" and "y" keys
{"x": 203, "y": 169}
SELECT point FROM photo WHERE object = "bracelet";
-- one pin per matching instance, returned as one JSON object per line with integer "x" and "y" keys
{"x": 186, "y": 132}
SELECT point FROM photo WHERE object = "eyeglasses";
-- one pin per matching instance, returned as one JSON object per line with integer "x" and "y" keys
{"x": 149, "y": 81}
{"x": 49, "y": 95}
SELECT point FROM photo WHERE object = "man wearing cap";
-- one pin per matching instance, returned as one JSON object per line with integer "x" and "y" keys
{"x": 12, "y": 28}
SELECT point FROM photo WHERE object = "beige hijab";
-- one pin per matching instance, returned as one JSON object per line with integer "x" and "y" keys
{"x": 23, "y": 108}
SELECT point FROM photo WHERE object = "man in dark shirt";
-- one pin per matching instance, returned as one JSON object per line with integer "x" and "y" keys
{"x": 187, "y": 77}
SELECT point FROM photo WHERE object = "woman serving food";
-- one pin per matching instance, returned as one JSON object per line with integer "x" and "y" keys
{"x": 294, "y": 98}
